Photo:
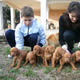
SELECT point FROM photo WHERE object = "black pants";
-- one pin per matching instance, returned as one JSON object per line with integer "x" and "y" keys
{"x": 70, "y": 38}
{"x": 30, "y": 40}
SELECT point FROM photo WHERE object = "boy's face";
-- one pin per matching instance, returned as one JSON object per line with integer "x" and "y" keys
{"x": 27, "y": 20}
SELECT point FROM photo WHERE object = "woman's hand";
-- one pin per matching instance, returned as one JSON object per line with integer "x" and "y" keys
{"x": 65, "y": 47}
{"x": 79, "y": 45}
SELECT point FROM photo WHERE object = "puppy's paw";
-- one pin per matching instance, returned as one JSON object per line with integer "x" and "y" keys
{"x": 53, "y": 66}
{"x": 24, "y": 64}
{"x": 74, "y": 69}
{"x": 45, "y": 65}
{"x": 17, "y": 67}
{"x": 12, "y": 65}
{"x": 59, "y": 70}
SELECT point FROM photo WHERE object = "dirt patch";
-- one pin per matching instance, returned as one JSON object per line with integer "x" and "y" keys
{"x": 29, "y": 73}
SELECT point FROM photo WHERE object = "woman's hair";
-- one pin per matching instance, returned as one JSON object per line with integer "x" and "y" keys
{"x": 27, "y": 12}
{"x": 74, "y": 7}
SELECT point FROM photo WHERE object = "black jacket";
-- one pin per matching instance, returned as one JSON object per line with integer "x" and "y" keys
{"x": 66, "y": 24}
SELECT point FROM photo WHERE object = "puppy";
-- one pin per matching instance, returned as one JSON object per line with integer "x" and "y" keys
{"x": 31, "y": 57}
{"x": 57, "y": 55}
{"x": 39, "y": 51}
{"x": 18, "y": 55}
{"x": 66, "y": 58}
{"x": 48, "y": 53}
{"x": 53, "y": 40}
{"x": 51, "y": 26}
{"x": 76, "y": 57}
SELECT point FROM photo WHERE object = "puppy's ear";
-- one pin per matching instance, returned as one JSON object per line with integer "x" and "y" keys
{"x": 17, "y": 51}
{"x": 40, "y": 51}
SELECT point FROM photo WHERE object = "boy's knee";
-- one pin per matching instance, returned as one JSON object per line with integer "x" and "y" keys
{"x": 8, "y": 32}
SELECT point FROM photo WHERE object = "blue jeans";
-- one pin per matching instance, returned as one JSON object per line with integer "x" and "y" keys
{"x": 29, "y": 40}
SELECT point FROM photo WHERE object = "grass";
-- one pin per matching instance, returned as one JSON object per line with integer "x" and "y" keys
{"x": 30, "y": 72}
{"x": 7, "y": 78}
{"x": 7, "y": 50}
{"x": 67, "y": 68}
{"x": 75, "y": 49}
{"x": 78, "y": 71}
{"x": 15, "y": 71}
{"x": 39, "y": 66}
{"x": 47, "y": 70}
{"x": 0, "y": 49}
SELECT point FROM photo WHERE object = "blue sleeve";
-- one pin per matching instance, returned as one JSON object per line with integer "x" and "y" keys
{"x": 42, "y": 36}
{"x": 19, "y": 38}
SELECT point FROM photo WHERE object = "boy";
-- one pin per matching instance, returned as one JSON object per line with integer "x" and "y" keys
{"x": 28, "y": 32}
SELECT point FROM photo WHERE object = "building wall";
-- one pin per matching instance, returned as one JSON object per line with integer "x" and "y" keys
{"x": 53, "y": 16}
{"x": 37, "y": 12}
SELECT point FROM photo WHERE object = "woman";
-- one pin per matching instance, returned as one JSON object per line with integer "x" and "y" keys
{"x": 69, "y": 27}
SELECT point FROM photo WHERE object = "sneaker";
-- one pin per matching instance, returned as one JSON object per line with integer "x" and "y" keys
{"x": 9, "y": 56}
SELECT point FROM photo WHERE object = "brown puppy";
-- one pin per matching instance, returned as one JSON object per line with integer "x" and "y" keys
{"x": 18, "y": 55}
{"x": 53, "y": 40}
{"x": 66, "y": 58}
{"x": 76, "y": 57}
{"x": 39, "y": 51}
{"x": 49, "y": 50}
{"x": 31, "y": 57}
{"x": 57, "y": 55}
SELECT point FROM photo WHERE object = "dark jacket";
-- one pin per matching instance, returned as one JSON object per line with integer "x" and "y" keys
{"x": 66, "y": 24}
